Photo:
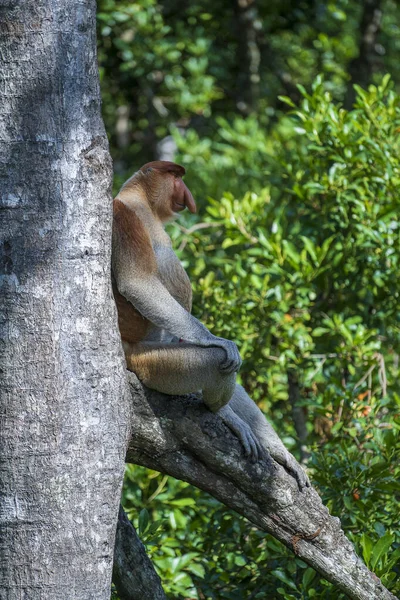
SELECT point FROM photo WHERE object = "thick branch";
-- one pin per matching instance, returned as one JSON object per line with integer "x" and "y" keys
{"x": 133, "y": 572}
{"x": 180, "y": 437}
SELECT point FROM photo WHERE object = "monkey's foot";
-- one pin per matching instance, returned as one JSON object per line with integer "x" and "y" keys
{"x": 282, "y": 457}
{"x": 252, "y": 447}
{"x": 257, "y": 451}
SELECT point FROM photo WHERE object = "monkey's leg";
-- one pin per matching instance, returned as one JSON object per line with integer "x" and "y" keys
{"x": 247, "y": 410}
{"x": 182, "y": 368}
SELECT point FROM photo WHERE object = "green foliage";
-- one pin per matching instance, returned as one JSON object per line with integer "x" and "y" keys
{"x": 155, "y": 73}
{"x": 302, "y": 272}
{"x": 171, "y": 64}
{"x": 295, "y": 257}
{"x": 306, "y": 267}
{"x": 200, "y": 545}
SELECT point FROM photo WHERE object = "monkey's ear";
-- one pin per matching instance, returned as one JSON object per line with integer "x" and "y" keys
{"x": 164, "y": 166}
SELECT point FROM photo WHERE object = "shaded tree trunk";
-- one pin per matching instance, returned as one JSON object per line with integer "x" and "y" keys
{"x": 133, "y": 573}
{"x": 64, "y": 405}
{"x": 248, "y": 26}
{"x": 361, "y": 68}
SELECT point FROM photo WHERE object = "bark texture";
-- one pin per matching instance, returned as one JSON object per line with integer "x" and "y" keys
{"x": 64, "y": 408}
{"x": 180, "y": 437}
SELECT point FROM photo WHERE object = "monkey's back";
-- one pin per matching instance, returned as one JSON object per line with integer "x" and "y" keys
{"x": 142, "y": 248}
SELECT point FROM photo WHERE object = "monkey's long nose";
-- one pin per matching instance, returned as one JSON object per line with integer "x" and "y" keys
{"x": 189, "y": 200}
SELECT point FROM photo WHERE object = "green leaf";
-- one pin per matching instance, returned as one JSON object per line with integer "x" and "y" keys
{"x": 367, "y": 545}
{"x": 287, "y": 101}
{"x": 308, "y": 576}
{"x": 281, "y": 575}
{"x": 197, "y": 569}
{"x": 143, "y": 521}
{"x": 393, "y": 560}
{"x": 381, "y": 548}
{"x": 183, "y": 502}
{"x": 318, "y": 331}
{"x": 310, "y": 247}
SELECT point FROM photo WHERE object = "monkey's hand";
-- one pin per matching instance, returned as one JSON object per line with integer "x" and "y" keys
{"x": 243, "y": 431}
{"x": 232, "y": 362}
{"x": 154, "y": 302}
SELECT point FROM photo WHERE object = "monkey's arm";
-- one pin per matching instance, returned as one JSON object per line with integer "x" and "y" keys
{"x": 135, "y": 271}
{"x": 152, "y": 299}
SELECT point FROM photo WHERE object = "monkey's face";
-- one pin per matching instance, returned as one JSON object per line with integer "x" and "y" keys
{"x": 168, "y": 193}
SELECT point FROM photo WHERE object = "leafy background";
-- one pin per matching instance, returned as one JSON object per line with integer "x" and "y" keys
{"x": 288, "y": 125}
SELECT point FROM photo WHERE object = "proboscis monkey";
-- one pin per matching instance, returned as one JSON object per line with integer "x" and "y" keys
{"x": 169, "y": 349}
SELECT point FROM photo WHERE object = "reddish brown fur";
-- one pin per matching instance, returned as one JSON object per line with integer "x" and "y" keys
{"x": 132, "y": 326}
{"x": 159, "y": 284}
{"x": 164, "y": 166}
{"x": 131, "y": 237}
{"x": 164, "y": 191}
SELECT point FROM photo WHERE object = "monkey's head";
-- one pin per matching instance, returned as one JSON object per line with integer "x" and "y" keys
{"x": 165, "y": 190}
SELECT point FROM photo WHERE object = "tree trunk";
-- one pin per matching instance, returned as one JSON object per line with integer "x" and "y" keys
{"x": 361, "y": 68}
{"x": 64, "y": 403}
{"x": 248, "y": 26}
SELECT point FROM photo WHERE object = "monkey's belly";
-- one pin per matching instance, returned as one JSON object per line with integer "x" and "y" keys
{"x": 132, "y": 326}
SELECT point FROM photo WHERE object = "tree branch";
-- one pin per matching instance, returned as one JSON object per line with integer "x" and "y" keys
{"x": 133, "y": 572}
{"x": 180, "y": 437}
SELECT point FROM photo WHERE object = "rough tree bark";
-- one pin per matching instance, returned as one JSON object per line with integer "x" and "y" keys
{"x": 64, "y": 408}
{"x": 133, "y": 572}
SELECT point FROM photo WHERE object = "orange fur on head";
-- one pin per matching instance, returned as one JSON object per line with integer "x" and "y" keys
{"x": 160, "y": 184}
{"x": 164, "y": 166}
